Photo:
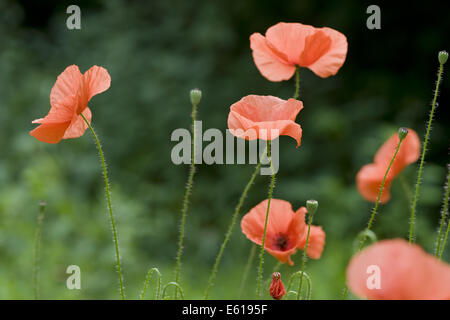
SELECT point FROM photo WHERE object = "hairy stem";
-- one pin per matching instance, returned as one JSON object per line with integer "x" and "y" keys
{"x": 297, "y": 83}
{"x": 375, "y": 208}
{"x": 185, "y": 206}
{"x": 304, "y": 258}
{"x": 37, "y": 249}
{"x": 412, "y": 220}
{"x": 261, "y": 255}
{"x": 111, "y": 215}
{"x": 147, "y": 281}
{"x": 441, "y": 246}
{"x": 230, "y": 229}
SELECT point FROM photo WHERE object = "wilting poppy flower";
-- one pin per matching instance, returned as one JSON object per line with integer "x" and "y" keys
{"x": 276, "y": 289}
{"x": 265, "y": 117}
{"x": 69, "y": 99}
{"x": 288, "y": 45}
{"x": 397, "y": 270}
{"x": 286, "y": 230}
{"x": 370, "y": 176}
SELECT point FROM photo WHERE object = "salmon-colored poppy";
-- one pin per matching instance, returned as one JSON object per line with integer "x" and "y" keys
{"x": 277, "y": 290}
{"x": 286, "y": 230}
{"x": 397, "y": 270}
{"x": 288, "y": 45}
{"x": 265, "y": 117}
{"x": 370, "y": 176}
{"x": 69, "y": 99}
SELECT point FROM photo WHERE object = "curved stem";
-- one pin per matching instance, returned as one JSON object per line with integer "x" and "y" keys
{"x": 230, "y": 228}
{"x": 247, "y": 269}
{"x": 261, "y": 255}
{"x": 147, "y": 280}
{"x": 37, "y": 249}
{"x": 304, "y": 258}
{"x": 291, "y": 280}
{"x": 297, "y": 83}
{"x": 412, "y": 220}
{"x": 176, "y": 285}
{"x": 375, "y": 209}
{"x": 187, "y": 193}
{"x": 108, "y": 198}
{"x": 441, "y": 246}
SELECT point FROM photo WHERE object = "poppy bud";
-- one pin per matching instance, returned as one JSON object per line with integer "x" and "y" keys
{"x": 277, "y": 290}
{"x": 196, "y": 96}
{"x": 311, "y": 206}
{"x": 443, "y": 56}
{"x": 402, "y": 133}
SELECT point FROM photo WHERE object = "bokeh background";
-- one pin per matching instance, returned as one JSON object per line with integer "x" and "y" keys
{"x": 156, "y": 51}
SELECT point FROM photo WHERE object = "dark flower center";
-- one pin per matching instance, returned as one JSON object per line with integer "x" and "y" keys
{"x": 281, "y": 242}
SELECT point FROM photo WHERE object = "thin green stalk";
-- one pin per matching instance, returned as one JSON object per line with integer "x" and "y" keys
{"x": 176, "y": 285}
{"x": 187, "y": 193}
{"x": 291, "y": 280}
{"x": 297, "y": 83}
{"x": 247, "y": 269}
{"x": 380, "y": 192}
{"x": 111, "y": 215}
{"x": 412, "y": 220}
{"x": 147, "y": 281}
{"x": 37, "y": 248}
{"x": 261, "y": 255}
{"x": 441, "y": 246}
{"x": 402, "y": 134}
{"x": 230, "y": 229}
{"x": 304, "y": 258}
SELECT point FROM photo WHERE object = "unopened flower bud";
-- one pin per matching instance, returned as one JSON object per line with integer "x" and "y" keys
{"x": 402, "y": 133}
{"x": 196, "y": 96}
{"x": 277, "y": 290}
{"x": 311, "y": 206}
{"x": 443, "y": 56}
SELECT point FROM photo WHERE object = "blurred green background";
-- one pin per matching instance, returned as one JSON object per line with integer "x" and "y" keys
{"x": 156, "y": 51}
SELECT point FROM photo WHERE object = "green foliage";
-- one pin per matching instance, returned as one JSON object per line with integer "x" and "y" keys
{"x": 156, "y": 52}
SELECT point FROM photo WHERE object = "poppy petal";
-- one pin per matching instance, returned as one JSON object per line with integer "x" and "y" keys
{"x": 78, "y": 126}
{"x": 316, "y": 242}
{"x": 50, "y": 132}
{"x": 97, "y": 80}
{"x": 368, "y": 182}
{"x": 66, "y": 90}
{"x": 325, "y": 52}
{"x": 404, "y": 271}
{"x": 271, "y": 66}
{"x": 289, "y": 39}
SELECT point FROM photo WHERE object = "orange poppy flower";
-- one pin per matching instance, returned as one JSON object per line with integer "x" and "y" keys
{"x": 286, "y": 230}
{"x": 370, "y": 176}
{"x": 287, "y": 45}
{"x": 68, "y": 99}
{"x": 397, "y": 270}
{"x": 265, "y": 117}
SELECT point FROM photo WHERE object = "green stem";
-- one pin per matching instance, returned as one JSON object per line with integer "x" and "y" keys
{"x": 247, "y": 269}
{"x": 147, "y": 281}
{"x": 304, "y": 259}
{"x": 297, "y": 83}
{"x": 186, "y": 199}
{"x": 37, "y": 248}
{"x": 291, "y": 280}
{"x": 230, "y": 228}
{"x": 375, "y": 209}
{"x": 261, "y": 255}
{"x": 176, "y": 285}
{"x": 440, "y": 247}
{"x": 412, "y": 220}
{"x": 108, "y": 198}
